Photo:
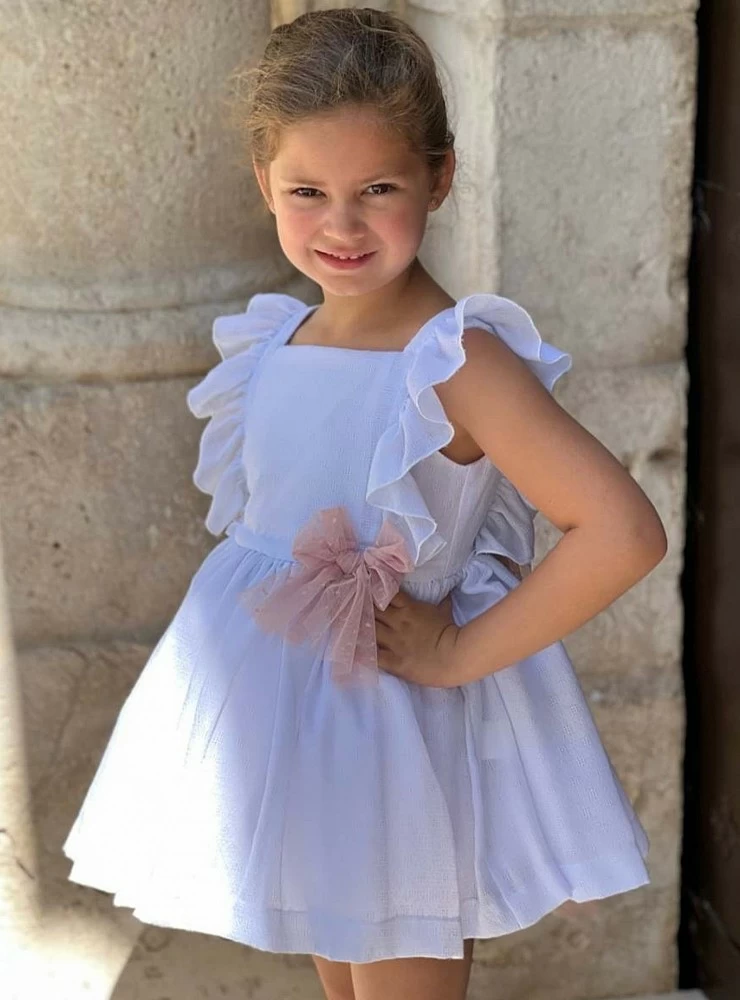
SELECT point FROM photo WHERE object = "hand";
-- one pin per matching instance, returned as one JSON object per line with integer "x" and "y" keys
{"x": 417, "y": 640}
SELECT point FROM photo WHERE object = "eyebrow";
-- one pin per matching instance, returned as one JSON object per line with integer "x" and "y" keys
{"x": 374, "y": 178}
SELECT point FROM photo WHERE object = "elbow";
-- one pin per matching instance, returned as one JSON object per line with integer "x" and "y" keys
{"x": 646, "y": 541}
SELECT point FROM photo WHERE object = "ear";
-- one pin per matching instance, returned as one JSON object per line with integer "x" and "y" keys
{"x": 262, "y": 173}
{"x": 442, "y": 181}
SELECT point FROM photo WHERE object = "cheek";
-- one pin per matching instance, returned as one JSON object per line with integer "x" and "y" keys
{"x": 404, "y": 227}
{"x": 294, "y": 228}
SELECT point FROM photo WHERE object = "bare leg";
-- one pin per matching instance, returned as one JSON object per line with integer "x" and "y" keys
{"x": 336, "y": 978}
{"x": 414, "y": 978}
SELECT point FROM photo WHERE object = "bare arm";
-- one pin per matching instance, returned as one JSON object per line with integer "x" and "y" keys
{"x": 612, "y": 534}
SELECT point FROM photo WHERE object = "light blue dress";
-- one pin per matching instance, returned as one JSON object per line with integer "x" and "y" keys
{"x": 243, "y": 793}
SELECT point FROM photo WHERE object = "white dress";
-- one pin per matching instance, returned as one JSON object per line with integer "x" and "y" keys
{"x": 243, "y": 792}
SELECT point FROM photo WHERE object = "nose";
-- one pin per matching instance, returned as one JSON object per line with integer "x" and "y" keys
{"x": 343, "y": 223}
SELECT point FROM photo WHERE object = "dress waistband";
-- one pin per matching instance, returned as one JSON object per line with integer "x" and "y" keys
{"x": 280, "y": 548}
{"x": 268, "y": 545}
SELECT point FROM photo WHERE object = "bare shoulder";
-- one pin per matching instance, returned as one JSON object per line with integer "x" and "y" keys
{"x": 490, "y": 368}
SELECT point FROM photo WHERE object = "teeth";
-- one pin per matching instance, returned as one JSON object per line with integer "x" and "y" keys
{"x": 355, "y": 256}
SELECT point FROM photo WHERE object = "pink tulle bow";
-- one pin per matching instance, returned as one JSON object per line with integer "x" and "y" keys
{"x": 334, "y": 591}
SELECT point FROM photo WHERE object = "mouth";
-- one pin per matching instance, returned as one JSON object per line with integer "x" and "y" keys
{"x": 345, "y": 261}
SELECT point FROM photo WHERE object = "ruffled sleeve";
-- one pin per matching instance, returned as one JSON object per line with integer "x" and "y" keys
{"x": 241, "y": 340}
{"x": 422, "y": 427}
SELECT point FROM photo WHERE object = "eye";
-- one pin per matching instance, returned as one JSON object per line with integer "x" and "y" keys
{"x": 381, "y": 188}
{"x": 305, "y": 192}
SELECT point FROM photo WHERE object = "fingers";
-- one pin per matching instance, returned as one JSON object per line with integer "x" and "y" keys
{"x": 389, "y": 617}
{"x": 383, "y": 633}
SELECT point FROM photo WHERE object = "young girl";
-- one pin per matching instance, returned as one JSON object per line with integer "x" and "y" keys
{"x": 360, "y": 737}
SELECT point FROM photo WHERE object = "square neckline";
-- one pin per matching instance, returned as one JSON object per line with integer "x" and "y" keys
{"x": 291, "y": 328}
{"x": 307, "y": 311}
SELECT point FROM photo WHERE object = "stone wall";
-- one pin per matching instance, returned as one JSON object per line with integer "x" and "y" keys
{"x": 129, "y": 222}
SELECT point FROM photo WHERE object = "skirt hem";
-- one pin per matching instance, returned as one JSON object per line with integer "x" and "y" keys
{"x": 341, "y": 939}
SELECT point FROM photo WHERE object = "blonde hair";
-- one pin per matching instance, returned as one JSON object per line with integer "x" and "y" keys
{"x": 328, "y": 59}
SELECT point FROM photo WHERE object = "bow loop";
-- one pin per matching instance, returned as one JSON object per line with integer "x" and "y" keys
{"x": 334, "y": 592}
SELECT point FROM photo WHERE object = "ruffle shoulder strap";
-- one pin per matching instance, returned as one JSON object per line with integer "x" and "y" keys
{"x": 241, "y": 340}
{"x": 422, "y": 427}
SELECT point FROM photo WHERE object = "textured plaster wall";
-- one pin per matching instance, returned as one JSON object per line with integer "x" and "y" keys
{"x": 129, "y": 221}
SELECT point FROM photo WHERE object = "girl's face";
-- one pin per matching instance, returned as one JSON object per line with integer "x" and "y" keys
{"x": 350, "y": 199}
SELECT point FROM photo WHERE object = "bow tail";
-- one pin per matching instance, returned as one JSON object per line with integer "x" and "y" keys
{"x": 352, "y": 648}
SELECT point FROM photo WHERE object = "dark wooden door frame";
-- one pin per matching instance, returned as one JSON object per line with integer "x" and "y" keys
{"x": 710, "y": 928}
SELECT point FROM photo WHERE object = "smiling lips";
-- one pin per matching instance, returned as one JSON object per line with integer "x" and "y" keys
{"x": 345, "y": 261}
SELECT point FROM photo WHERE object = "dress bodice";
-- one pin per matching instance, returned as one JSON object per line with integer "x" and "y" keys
{"x": 299, "y": 428}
